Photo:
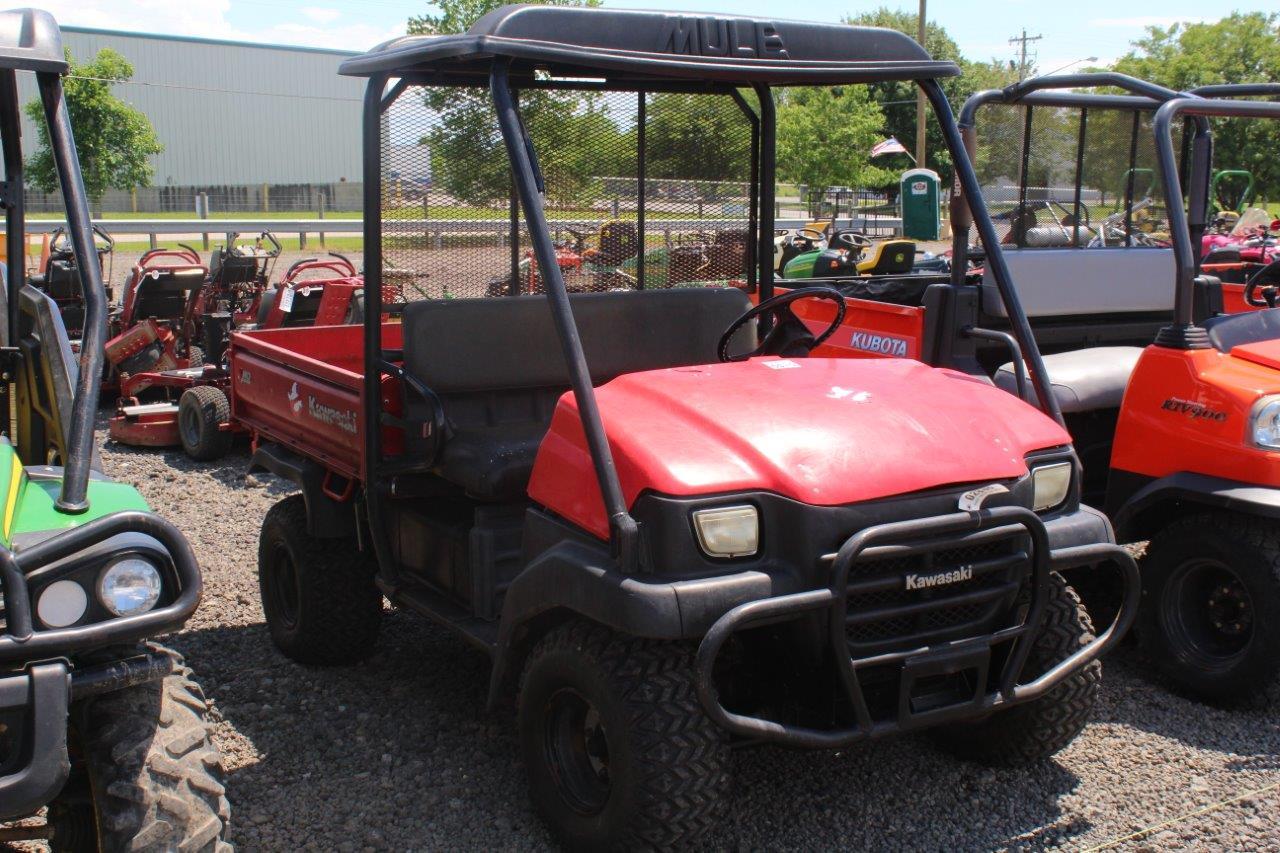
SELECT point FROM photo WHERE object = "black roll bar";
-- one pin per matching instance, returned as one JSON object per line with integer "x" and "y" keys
{"x": 1184, "y": 333}
{"x": 623, "y": 531}
{"x": 15, "y": 234}
{"x": 968, "y": 194}
{"x": 75, "y": 480}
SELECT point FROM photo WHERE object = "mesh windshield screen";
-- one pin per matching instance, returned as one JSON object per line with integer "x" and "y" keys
{"x": 642, "y": 190}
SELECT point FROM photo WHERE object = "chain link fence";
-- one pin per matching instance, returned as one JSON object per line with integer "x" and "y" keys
{"x": 249, "y": 199}
{"x": 642, "y": 190}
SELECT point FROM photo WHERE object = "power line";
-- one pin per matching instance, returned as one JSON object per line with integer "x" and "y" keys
{"x": 1023, "y": 68}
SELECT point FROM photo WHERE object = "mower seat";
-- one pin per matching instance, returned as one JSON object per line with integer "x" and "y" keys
{"x": 162, "y": 292}
{"x": 1083, "y": 380}
{"x": 497, "y": 368}
{"x": 892, "y": 257}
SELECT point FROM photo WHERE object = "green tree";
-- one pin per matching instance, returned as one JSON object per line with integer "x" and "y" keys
{"x": 696, "y": 137}
{"x": 113, "y": 139}
{"x": 825, "y": 137}
{"x": 898, "y": 98}
{"x": 573, "y": 133}
{"x": 1240, "y": 48}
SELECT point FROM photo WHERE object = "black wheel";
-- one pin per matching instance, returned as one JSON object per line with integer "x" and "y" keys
{"x": 1210, "y": 617}
{"x": 195, "y": 356}
{"x": 319, "y": 596}
{"x": 1037, "y": 729}
{"x": 148, "y": 775}
{"x": 618, "y": 751}
{"x": 202, "y": 410}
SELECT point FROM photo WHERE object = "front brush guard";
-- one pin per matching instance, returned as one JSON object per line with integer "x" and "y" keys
{"x": 903, "y": 539}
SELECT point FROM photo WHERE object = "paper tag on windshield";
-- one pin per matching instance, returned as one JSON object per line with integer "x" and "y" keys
{"x": 286, "y": 300}
{"x": 780, "y": 364}
{"x": 972, "y": 500}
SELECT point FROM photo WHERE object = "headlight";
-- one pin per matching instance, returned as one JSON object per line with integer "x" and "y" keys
{"x": 731, "y": 531}
{"x": 1051, "y": 485}
{"x": 129, "y": 585}
{"x": 1265, "y": 425}
{"x": 62, "y": 603}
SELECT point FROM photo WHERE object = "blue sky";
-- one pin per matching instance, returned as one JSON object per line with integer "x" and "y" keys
{"x": 1071, "y": 30}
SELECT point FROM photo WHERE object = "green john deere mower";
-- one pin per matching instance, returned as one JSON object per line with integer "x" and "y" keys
{"x": 104, "y": 744}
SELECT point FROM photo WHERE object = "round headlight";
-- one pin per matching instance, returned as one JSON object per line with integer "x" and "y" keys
{"x": 129, "y": 585}
{"x": 1265, "y": 427}
{"x": 62, "y": 603}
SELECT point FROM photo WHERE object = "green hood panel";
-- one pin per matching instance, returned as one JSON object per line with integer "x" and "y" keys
{"x": 29, "y": 504}
{"x": 801, "y": 266}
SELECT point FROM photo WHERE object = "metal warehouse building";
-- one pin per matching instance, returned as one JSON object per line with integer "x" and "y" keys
{"x": 236, "y": 114}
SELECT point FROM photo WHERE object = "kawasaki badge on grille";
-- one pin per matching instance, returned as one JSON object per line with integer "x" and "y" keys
{"x": 956, "y": 575}
{"x": 972, "y": 500}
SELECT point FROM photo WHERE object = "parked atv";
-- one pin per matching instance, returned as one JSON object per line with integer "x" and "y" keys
{"x": 99, "y": 725}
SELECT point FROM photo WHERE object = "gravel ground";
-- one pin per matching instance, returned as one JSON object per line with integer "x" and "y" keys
{"x": 399, "y": 753}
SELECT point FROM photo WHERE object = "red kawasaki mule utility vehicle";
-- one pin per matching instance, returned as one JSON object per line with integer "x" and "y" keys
{"x": 668, "y": 526}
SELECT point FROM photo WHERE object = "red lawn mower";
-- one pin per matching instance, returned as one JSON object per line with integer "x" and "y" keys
{"x": 146, "y": 331}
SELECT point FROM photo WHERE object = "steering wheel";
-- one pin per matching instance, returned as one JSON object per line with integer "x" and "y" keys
{"x": 789, "y": 337}
{"x": 854, "y": 240}
{"x": 1267, "y": 278}
{"x": 806, "y": 239}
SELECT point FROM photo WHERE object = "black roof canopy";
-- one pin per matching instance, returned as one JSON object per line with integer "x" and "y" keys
{"x": 30, "y": 41}
{"x": 645, "y": 45}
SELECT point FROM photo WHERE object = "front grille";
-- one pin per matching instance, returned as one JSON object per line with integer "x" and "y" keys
{"x": 883, "y": 611}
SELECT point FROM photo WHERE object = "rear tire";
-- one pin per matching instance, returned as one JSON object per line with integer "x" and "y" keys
{"x": 154, "y": 777}
{"x": 1035, "y": 730}
{"x": 618, "y": 751}
{"x": 195, "y": 356}
{"x": 319, "y": 596}
{"x": 202, "y": 411}
{"x": 1210, "y": 616}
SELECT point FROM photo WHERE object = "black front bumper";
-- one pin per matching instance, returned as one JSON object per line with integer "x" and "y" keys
{"x": 39, "y": 682}
{"x": 972, "y": 656}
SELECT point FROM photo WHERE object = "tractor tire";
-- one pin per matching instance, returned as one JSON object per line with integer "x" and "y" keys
{"x": 1035, "y": 730}
{"x": 151, "y": 778}
{"x": 319, "y": 596}
{"x": 202, "y": 410}
{"x": 1210, "y": 615}
{"x": 618, "y": 751}
{"x": 195, "y": 356}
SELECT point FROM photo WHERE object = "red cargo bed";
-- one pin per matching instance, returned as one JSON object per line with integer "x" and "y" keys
{"x": 303, "y": 388}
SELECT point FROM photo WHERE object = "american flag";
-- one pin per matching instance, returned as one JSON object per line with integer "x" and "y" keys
{"x": 889, "y": 146}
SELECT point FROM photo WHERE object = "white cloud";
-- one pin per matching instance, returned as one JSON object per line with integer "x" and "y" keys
{"x": 1141, "y": 21}
{"x": 209, "y": 19}
{"x": 321, "y": 15}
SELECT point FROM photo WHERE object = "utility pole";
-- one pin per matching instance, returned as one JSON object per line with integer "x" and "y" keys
{"x": 1022, "y": 61}
{"x": 920, "y": 112}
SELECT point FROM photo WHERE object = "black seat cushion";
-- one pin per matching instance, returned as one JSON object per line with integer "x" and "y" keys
{"x": 162, "y": 293}
{"x": 498, "y": 367}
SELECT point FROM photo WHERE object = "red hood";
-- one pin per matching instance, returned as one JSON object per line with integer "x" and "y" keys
{"x": 820, "y": 431}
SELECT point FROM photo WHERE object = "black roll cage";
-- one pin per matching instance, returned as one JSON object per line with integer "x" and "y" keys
{"x": 75, "y": 483}
{"x": 1193, "y": 168}
{"x": 385, "y": 86}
